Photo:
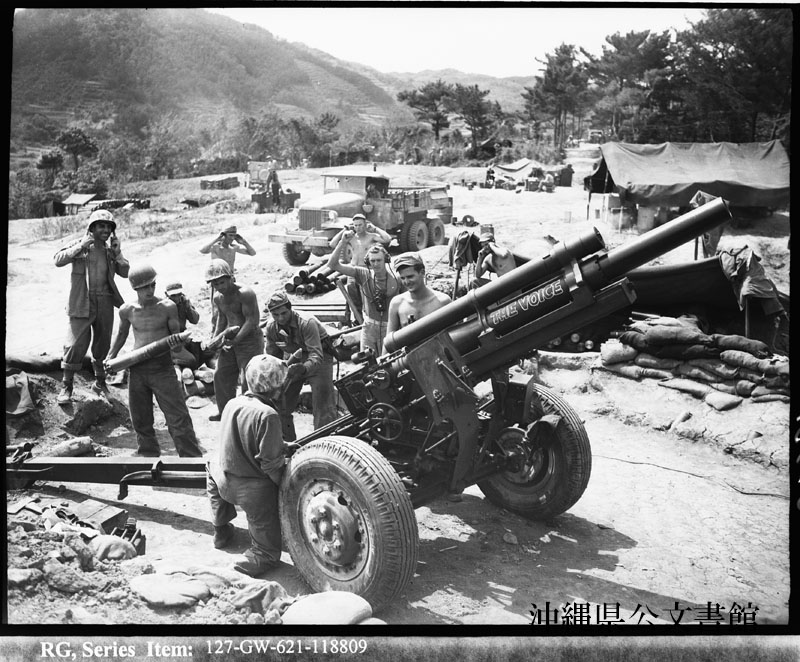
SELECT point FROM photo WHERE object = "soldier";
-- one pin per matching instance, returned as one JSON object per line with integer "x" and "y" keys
{"x": 151, "y": 319}
{"x": 236, "y": 305}
{"x": 226, "y": 245}
{"x": 248, "y": 468}
{"x": 93, "y": 296}
{"x": 274, "y": 188}
{"x": 491, "y": 258}
{"x": 419, "y": 300}
{"x": 189, "y": 354}
{"x": 297, "y": 340}
{"x": 378, "y": 285}
{"x": 359, "y": 239}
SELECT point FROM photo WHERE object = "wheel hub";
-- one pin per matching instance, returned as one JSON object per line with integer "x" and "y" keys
{"x": 525, "y": 458}
{"x": 332, "y": 529}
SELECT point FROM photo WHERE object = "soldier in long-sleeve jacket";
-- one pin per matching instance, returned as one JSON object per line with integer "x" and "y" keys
{"x": 93, "y": 296}
{"x": 299, "y": 340}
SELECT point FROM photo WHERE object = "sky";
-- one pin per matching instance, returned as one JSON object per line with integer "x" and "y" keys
{"x": 496, "y": 41}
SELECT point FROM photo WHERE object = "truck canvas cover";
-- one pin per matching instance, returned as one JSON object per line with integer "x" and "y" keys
{"x": 669, "y": 174}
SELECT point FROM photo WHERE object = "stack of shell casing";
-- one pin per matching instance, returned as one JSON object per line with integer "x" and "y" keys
{"x": 314, "y": 280}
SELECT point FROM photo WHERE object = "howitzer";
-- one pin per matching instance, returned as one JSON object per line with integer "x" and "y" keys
{"x": 419, "y": 427}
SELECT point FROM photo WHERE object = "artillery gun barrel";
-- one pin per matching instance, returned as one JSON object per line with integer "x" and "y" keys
{"x": 561, "y": 255}
{"x": 545, "y": 288}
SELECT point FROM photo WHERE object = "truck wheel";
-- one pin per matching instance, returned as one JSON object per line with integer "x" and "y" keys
{"x": 414, "y": 236}
{"x": 347, "y": 520}
{"x": 295, "y": 254}
{"x": 436, "y": 232}
{"x": 555, "y": 474}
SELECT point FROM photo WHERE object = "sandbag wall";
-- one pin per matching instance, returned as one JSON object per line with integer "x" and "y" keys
{"x": 719, "y": 369}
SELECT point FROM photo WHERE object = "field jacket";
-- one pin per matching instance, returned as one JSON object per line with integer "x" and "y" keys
{"x": 78, "y": 304}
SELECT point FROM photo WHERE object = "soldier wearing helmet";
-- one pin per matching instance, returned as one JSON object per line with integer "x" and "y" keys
{"x": 226, "y": 244}
{"x": 298, "y": 339}
{"x": 153, "y": 318}
{"x": 93, "y": 296}
{"x": 248, "y": 467}
{"x": 235, "y": 305}
{"x": 357, "y": 240}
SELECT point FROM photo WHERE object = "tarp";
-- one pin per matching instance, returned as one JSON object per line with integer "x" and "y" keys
{"x": 669, "y": 174}
{"x": 514, "y": 169}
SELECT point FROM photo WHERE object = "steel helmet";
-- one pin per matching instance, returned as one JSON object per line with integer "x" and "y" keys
{"x": 141, "y": 276}
{"x": 217, "y": 269}
{"x": 265, "y": 374}
{"x": 102, "y": 215}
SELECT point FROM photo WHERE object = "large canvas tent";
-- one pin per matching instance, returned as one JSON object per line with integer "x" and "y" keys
{"x": 669, "y": 174}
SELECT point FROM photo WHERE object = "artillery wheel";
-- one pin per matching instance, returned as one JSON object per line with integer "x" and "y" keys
{"x": 436, "y": 232}
{"x": 347, "y": 520}
{"x": 414, "y": 236}
{"x": 295, "y": 254}
{"x": 556, "y": 470}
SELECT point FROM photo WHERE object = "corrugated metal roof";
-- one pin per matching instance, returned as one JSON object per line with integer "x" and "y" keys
{"x": 79, "y": 198}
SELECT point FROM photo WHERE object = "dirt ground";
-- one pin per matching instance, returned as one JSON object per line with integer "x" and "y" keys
{"x": 671, "y": 519}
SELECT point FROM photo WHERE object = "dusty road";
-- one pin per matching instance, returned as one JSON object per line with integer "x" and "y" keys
{"x": 666, "y": 523}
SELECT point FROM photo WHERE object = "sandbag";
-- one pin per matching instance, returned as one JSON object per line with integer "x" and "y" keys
{"x": 635, "y": 340}
{"x": 763, "y": 390}
{"x": 716, "y": 367}
{"x": 613, "y": 351}
{"x": 696, "y": 372}
{"x": 775, "y": 382}
{"x": 687, "y": 386}
{"x": 741, "y": 343}
{"x": 649, "y": 361}
{"x": 676, "y": 335}
{"x": 722, "y": 401}
{"x": 745, "y": 388}
{"x": 626, "y": 370}
{"x": 654, "y": 373}
{"x": 725, "y": 387}
{"x": 772, "y": 397}
{"x": 742, "y": 359}
{"x": 683, "y": 352}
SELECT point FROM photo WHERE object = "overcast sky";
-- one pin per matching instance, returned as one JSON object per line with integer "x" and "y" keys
{"x": 498, "y": 41}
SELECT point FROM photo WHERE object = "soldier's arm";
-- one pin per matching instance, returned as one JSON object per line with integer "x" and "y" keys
{"x": 192, "y": 316}
{"x": 312, "y": 343}
{"x": 249, "y": 304}
{"x": 394, "y": 317}
{"x": 335, "y": 261}
{"x": 122, "y": 332}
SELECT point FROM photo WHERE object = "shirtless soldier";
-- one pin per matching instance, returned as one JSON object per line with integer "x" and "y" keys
{"x": 236, "y": 305}
{"x": 419, "y": 300}
{"x": 153, "y": 318}
{"x": 491, "y": 258}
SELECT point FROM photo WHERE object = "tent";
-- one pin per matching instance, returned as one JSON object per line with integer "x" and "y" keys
{"x": 669, "y": 174}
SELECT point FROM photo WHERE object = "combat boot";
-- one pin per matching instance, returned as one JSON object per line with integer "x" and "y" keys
{"x": 65, "y": 396}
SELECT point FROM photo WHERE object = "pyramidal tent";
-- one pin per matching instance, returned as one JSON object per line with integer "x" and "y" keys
{"x": 669, "y": 174}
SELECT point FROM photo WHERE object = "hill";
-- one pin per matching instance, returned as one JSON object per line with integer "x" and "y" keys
{"x": 197, "y": 66}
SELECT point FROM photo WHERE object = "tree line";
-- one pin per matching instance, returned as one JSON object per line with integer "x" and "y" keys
{"x": 727, "y": 78}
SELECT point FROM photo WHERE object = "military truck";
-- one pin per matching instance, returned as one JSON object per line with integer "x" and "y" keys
{"x": 415, "y": 215}
{"x": 258, "y": 176}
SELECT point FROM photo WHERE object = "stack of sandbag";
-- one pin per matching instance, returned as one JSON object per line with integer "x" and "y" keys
{"x": 719, "y": 369}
